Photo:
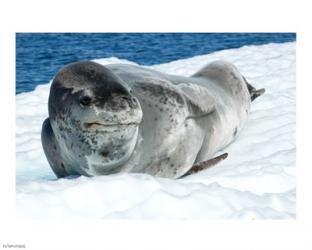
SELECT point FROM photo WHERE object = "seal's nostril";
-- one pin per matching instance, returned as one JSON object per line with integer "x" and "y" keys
{"x": 85, "y": 101}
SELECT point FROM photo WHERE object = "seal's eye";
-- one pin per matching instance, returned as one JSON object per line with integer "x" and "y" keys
{"x": 85, "y": 101}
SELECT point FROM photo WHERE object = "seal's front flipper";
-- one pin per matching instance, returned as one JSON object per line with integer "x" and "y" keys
{"x": 199, "y": 101}
{"x": 51, "y": 150}
{"x": 205, "y": 164}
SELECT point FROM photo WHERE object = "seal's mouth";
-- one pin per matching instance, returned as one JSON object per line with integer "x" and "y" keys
{"x": 96, "y": 125}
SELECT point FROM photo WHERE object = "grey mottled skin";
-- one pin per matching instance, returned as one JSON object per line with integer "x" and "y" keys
{"x": 124, "y": 118}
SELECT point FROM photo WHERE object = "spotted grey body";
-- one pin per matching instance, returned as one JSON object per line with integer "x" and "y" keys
{"x": 124, "y": 118}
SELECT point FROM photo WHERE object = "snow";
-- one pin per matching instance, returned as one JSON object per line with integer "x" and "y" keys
{"x": 256, "y": 181}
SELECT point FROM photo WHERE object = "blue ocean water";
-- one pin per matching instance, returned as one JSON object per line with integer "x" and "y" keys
{"x": 40, "y": 55}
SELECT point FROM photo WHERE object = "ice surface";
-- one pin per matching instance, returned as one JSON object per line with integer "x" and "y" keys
{"x": 256, "y": 181}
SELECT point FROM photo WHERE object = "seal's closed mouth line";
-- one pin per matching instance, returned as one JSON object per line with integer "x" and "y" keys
{"x": 97, "y": 124}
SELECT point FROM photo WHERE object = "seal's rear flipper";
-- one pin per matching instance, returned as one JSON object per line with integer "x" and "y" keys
{"x": 254, "y": 93}
{"x": 205, "y": 164}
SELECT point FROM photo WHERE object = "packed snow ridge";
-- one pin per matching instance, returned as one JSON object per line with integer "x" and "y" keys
{"x": 256, "y": 181}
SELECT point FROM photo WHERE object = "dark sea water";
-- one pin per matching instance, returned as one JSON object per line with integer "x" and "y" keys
{"x": 40, "y": 55}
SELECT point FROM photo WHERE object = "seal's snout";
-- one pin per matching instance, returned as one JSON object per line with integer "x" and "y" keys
{"x": 108, "y": 111}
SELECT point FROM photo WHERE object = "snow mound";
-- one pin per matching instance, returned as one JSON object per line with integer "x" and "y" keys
{"x": 256, "y": 181}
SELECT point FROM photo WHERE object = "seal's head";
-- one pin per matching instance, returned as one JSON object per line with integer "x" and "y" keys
{"x": 94, "y": 116}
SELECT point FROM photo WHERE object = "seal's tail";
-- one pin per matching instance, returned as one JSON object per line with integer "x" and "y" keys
{"x": 254, "y": 93}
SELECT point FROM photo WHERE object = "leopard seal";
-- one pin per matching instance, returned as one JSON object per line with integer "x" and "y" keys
{"x": 125, "y": 118}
